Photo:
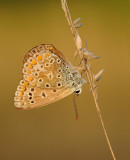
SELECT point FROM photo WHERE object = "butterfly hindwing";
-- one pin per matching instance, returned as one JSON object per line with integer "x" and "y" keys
{"x": 35, "y": 97}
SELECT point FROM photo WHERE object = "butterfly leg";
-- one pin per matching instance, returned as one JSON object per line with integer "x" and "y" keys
{"x": 78, "y": 66}
{"x": 83, "y": 71}
{"x": 75, "y": 107}
{"x": 83, "y": 58}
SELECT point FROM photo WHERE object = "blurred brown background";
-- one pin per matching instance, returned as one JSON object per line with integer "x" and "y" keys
{"x": 52, "y": 132}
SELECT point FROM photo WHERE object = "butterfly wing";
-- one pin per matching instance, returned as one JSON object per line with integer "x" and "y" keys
{"x": 42, "y": 47}
{"x": 46, "y": 78}
{"x": 39, "y": 97}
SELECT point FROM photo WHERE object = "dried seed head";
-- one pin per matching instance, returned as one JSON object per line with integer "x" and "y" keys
{"x": 86, "y": 52}
{"x": 76, "y": 21}
{"x": 78, "y": 25}
{"x": 95, "y": 57}
{"x": 96, "y": 76}
{"x": 75, "y": 55}
{"x": 78, "y": 42}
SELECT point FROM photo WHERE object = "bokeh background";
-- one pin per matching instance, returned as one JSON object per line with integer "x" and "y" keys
{"x": 52, "y": 132}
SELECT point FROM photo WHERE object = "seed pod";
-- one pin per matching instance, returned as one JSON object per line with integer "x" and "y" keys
{"x": 78, "y": 42}
{"x": 76, "y": 21}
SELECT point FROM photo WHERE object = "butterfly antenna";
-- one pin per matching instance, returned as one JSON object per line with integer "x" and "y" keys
{"x": 75, "y": 107}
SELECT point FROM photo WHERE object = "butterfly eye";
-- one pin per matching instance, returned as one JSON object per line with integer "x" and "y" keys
{"x": 78, "y": 91}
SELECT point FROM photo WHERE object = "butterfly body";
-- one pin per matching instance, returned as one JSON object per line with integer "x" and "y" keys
{"x": 47, "y": 77}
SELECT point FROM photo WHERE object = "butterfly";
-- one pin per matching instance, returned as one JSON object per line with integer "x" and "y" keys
{"x": 47, "y": 77}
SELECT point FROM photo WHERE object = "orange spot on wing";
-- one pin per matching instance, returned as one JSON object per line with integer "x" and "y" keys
{"x": 39, "y": 57}
{"x": 25, "y": 83}
{"x": 21, "y": 93}
{"x": 23, "y": 88}
{"x": 21, "y": 103}
{"x": 29, "y": 66}
{"x": 20, "y": 98}
{"x": 47, "y": 54}
{"x": 33, "y": 62}
{"x": 30, "y": 78}
{"x": 50, "y": 47}
{"x": 28, "y": 71}
{"x": 33, "y": 84}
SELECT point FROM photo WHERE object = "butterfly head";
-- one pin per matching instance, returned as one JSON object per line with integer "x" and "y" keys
{"x": 78, "y": 91}
{"x": 79, "y": 81}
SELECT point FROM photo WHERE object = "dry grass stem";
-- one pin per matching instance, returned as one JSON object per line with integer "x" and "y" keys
{"x": 86, "y": 57}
